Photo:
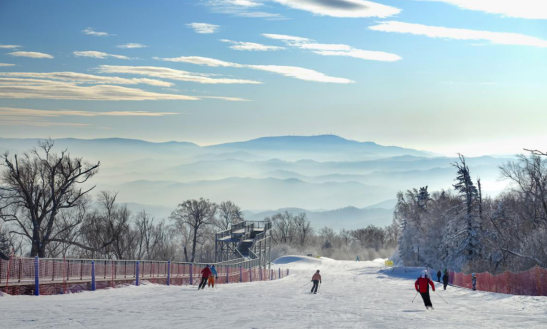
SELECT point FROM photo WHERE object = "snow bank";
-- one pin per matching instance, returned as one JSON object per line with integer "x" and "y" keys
{"x": 293, "y": 259}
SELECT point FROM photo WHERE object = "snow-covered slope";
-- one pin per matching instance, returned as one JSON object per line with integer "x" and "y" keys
{"x": 353, "y": 295}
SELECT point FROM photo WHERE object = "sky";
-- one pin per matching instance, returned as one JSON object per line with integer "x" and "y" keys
{"x": 440, "y": 75}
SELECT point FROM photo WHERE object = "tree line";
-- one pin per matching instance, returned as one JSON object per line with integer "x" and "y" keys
{"x": 293, "y": 234}
{"x": 464, "y": 230}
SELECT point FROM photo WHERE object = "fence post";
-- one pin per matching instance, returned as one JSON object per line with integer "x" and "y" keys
{"x": 112, "y": 273}
{"x": 137, "y": 273}
{"x": 93, "y": 275}
{"x": 279, "y": 274}
{"x": 271, "y": 274}
{"x": 240, "y": 273}
{"x": 227, "y": 274}
{"x": 36, "y": 276}
{"x": 250, "y": 275}
{"x": 168, "y": 272}
{"x": 64, "y": 273}
{"x": 191, "y": 275}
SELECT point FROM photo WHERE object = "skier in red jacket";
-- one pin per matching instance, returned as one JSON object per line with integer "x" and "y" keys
{"x": 205, "y": 273}
{"x": 422, "y": 286}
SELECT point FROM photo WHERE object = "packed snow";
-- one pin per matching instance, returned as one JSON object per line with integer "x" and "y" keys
{"x": 353, "y": 295}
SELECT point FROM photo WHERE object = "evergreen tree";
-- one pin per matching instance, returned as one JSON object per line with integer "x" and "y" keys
{"x": 4, "y": 246}
{"x": 465, "y": 187}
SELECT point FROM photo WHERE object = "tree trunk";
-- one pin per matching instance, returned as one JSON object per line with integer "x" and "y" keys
{"x": 35, "y": 251}
{"x": 194, "y": 243}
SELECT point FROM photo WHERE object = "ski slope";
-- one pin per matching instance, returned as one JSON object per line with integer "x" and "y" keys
{"x": 353, "y": 295}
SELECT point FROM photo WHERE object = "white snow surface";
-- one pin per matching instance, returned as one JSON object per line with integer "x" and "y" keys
{"x": 353, "y": 295}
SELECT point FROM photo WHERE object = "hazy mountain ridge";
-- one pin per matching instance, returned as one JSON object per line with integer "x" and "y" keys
{"x": 268, "y": 173}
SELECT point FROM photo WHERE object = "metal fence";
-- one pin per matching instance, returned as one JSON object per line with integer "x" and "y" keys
{"x": 532, "y": 282}
{"x": 47, "y": 276}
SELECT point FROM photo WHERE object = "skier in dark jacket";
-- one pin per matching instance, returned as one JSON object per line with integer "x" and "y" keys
{"x": 474, "y": 281}
{"x": 422, "y": 286}
{"x": 205, "y": 274}
{"x": 439, "y": 276}
{"x": 445, "y": 279}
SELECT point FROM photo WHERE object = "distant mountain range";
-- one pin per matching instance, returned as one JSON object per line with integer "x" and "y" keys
{"x": 343, "y": 218}
{"x": 339, "y": 176}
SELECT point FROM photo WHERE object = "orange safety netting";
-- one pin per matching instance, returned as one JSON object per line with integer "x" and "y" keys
{"x": 532, "y": 282}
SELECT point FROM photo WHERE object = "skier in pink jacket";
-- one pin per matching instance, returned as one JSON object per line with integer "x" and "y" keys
{"x": 316, "y": 279}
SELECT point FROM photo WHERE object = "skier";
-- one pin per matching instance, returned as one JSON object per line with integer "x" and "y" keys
{"x": 445, "y": 279}
{"x": 439, "y": 276}
{"x": 316, "y": 279}
{"x": 205, "y": 274}
{"x": 212, "y": 277}
{"x": 474, "y": 281}
{"x": 422, "y": 286}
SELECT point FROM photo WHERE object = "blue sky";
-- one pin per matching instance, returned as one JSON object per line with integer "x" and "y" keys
{"x": 444, "y": 75}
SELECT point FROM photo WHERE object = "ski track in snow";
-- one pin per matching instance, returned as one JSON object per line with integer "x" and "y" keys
{"x": 354, "y": 295}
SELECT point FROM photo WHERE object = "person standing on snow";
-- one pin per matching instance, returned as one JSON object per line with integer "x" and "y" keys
{"x": 422, "y": 286}
{"x": 445, "y": 279}
{"x": 474, "y": 281}
{"x": 316, "y": 279}
{"x": 205, "y": 274}
{"x": 439, "y": 276}
{"x": 214, "y": 275}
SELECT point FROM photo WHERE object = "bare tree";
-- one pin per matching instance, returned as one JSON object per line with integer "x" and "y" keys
{"x": 303, "y": 229}
{"x": 283, "y": 227}
{"x": 106, "y": 230}
{"x": 36, "y": 187}
{"x": 229, "y": 213}
{"x": 196, "y": 214}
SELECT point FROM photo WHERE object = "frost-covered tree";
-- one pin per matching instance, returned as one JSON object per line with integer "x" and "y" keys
{"x": 228, "y": 213}
{"x": 5, "y": 244}
{"x": 468, "y": 239}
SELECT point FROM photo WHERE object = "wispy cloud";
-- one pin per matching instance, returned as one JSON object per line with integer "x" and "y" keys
{"x": 7, "y": 112}
{"x": 325, "y": 49}
{"x": 36, "y": 122}
{"x": 300, "y": 73}
{"x": 30, "y": 54}
{"x": 499, "y": 38}
{"x": 289, "y": 71}
{"x": 132, "y": 46}
{"x": 97, "y": 54}
{"x": 204, "y": 28}
{"x": 80, "y": 78}
{"x": 52, "y": 89}
{"x": 91, "y": 31}
{"x": 205, "y": 61}
{"x": 9, "y": 46}
{"x": 529, "y": 9}
{"x": 6, "y": 64}
{"x": 171, "y": 74}
{"x": 62, "y": 90}
{"x": 342, "y": 8}
{"x": 241, "y": 8}
{"x": 250, "y": 46}
{"x": 229, "y": 99}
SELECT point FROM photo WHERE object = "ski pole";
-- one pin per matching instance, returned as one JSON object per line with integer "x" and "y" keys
{"x": 440, "y": 296}
{"x": 305, "y": 285}
{"x": 414, "y": 297}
